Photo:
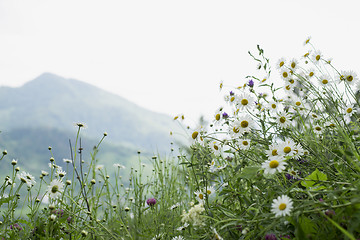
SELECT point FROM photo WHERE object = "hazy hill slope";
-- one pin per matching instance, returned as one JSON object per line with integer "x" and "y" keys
{"x": 51, "y": 101}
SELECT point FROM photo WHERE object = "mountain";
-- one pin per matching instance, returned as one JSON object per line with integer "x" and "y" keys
{"x": 43, "y": 111}
{"x": 55, "y": 102}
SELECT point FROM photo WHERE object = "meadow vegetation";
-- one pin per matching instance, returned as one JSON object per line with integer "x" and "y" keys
{"x": 280, "y": 160}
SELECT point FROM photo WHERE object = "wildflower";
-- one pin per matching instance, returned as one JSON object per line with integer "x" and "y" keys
{"x": 16, "y": 226}
{"x": 273, "y": 152}
{"x": 216, "y": 236}
{"x": 183, "y": 227}
{"x": 194, "y": 215}
{"x": 80, "y": 125}
{"x": 60, "y": 173}
{"x": 274, "y": 106}
{"x": 349, "y": 76}
{"x": 151, "y": 202}
{"x": 245, "y": 101}
{"x": 317, "y": 56}
{"x": 210, "y": 192}
{"x": 178, "y": 238}
{"x": 244, "y": 144}
{"x": 52, "y": 217}
{"x": 282, "y": 206}
{"x": 13, "y": 162}
{"x": 287, "y": 148}
{"x": 200, "y": 196}
{"x": 117, "y": 165}
{"x": 27, "y": 178}
{"x": 324, "y": 80}
{"x": 307, "y": 40}
{"x": 216, "y": 147}
{"x": 273, "y": 166}
{"x": 311, "y": 73}
{"x": 99, "y": 167}
{"x": 174, "y": 206}
{"x": 318, "y": 130}
{"x": 225, "y": 115}
{"x": 284, "y": 74}
{"x": 214, "y": 167}
{"x": 294, "y": 64}
{"x": 270, "y": 236}
{"x": 251, "y": 83}
{"x": 241, "y": 125}
{"x": 55, "y": 188}
{"x": 281, "y": 63}
{"x": 283, "y": 119}
{"x": 65, "y": 160}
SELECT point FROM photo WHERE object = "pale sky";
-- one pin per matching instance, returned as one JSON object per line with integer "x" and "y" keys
{"x": 168, "y": 56}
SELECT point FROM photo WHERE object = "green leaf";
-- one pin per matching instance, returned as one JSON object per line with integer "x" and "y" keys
{"x": 249, "y": 172}
{"x": 313, "y": 178}
{"x": 308, "y": 227}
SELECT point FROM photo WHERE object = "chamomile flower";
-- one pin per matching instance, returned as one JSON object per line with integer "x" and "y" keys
{"x": 241, "y": 125}
{"x": 318, "y": 130}
{"x": 244, "y": 144}
{"x": 350, "y": 77}
{"x": 281, "y": 63}
{"x": 324, "y": 80}
{"x": 210, "y": 191}
{"x": 316, "y": 57}
{"x": 274, "y": 106}
{"x": 287, "y": 148}
{"x": 216, "y": 167}
{"x": 199, "y": 196}
{"x": 285, "y": 74}
{"x": 307, "y": 40}
{"x": 60, "y": 173}
{"x": 311, "y": 73}
{"x": 273, "y": 166}
{"x": 349, "y": 110}
{"x": 294, "y": 64}
{"x": 273, "y": 152}
{"x": 245, "y": 101}
{"x": 216, "y": 147}
{"x": 55, "y": 188}
{"x": 27, "y": 178}
{"x": 282, "y": 206}
{"x": 178, "y": 238}
{"x": 283, "y": 119}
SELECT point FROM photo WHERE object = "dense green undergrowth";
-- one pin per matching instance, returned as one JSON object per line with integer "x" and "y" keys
{"x": 280, "y": 160}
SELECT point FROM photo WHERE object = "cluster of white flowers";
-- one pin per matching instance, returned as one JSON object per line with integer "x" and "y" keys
{"x": 194, "y": 216}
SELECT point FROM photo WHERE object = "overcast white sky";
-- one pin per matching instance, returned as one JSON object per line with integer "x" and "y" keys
{"x": 168, "y": 56}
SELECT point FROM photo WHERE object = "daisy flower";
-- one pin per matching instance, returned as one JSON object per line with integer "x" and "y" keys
{"x": 281, "y": 63}
{"x": 27, "y": 178}
{"x": 287, "y": 148}
{"x": 244, "y": 144}
{"x": 294, "y": 64}
{"x": 317, "y": 56}
{"x": 283, "y": 120}
{"x": 282, "y": 206}
{"x": 216, "y": 147}
{"x": 245, "y": 101}
{"x": 272, "y": 153}
{"x": 274, "y": 106}
{"x": 216, "y": 167}
{"x": 60, "y": 173}
{"x": 55, "y": 188}
{"x": 350, "y": 77}
{"x": 178, "y": 238}
{"x": 210, "y": 191}
{"x": 318, "y": 130}
{"x": 310, "y": 73}
{"x": 324, "y": 80}
{"x": 307, "y": 40}
{"x": 241, "y": 125}
{"x": 285, "y": 74}
{"x": 273, "y": 166}
{"x": 199, "y": 196}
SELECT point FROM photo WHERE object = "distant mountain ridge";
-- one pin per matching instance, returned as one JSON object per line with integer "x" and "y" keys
{"x": 51, "y": 101}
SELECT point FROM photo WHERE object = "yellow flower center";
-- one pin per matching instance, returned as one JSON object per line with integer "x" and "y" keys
{"x": 293, "y": 64}
{"x": 232, "y": 99}
{"x": 194, "y": 135}
{"x": 311, "y": 74}
{"x": 201, "y": 196}
{"x": 244, "y": 102}
{"x": 349, "y": 78}
{"x": 217, "y": 117}
{"x": 324, "y": 81}
{"x": 216, "y": 147}
{"x": 244, "y": 124}
{"x": 282, "y": 206}
{"x": 287, "y": 87}
{"x": 298, "y": 103}
{"x": 235, "y": 130}
{"x": 285, "y": 74}
{"x": 208, "y": 192}
{"x": 292, "y": 81}
{"x": 306, "y": 54}
{"x": 287, "y": 149}
{"x": 273, "y": 105}
{"x": 318, "y": 128}
{"x": 274, "y": 152}
{"x": 349, "y": 110}
{"x": 282, "y": 119}
{"x": 274, "y": 164}
{"x": 55, "y": 189}
{"x": 281, "y": 63}
{"x": 245, "y": 143}
{"x": 317, "y": 57}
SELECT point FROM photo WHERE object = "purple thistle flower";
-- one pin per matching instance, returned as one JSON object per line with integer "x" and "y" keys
{"x": 270, "y": 236}
{"x": 231, "y": 93}
{"x": 151, "y": 202}
{"x": 251, "y": 83}
{"x": 225, "y": 115}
